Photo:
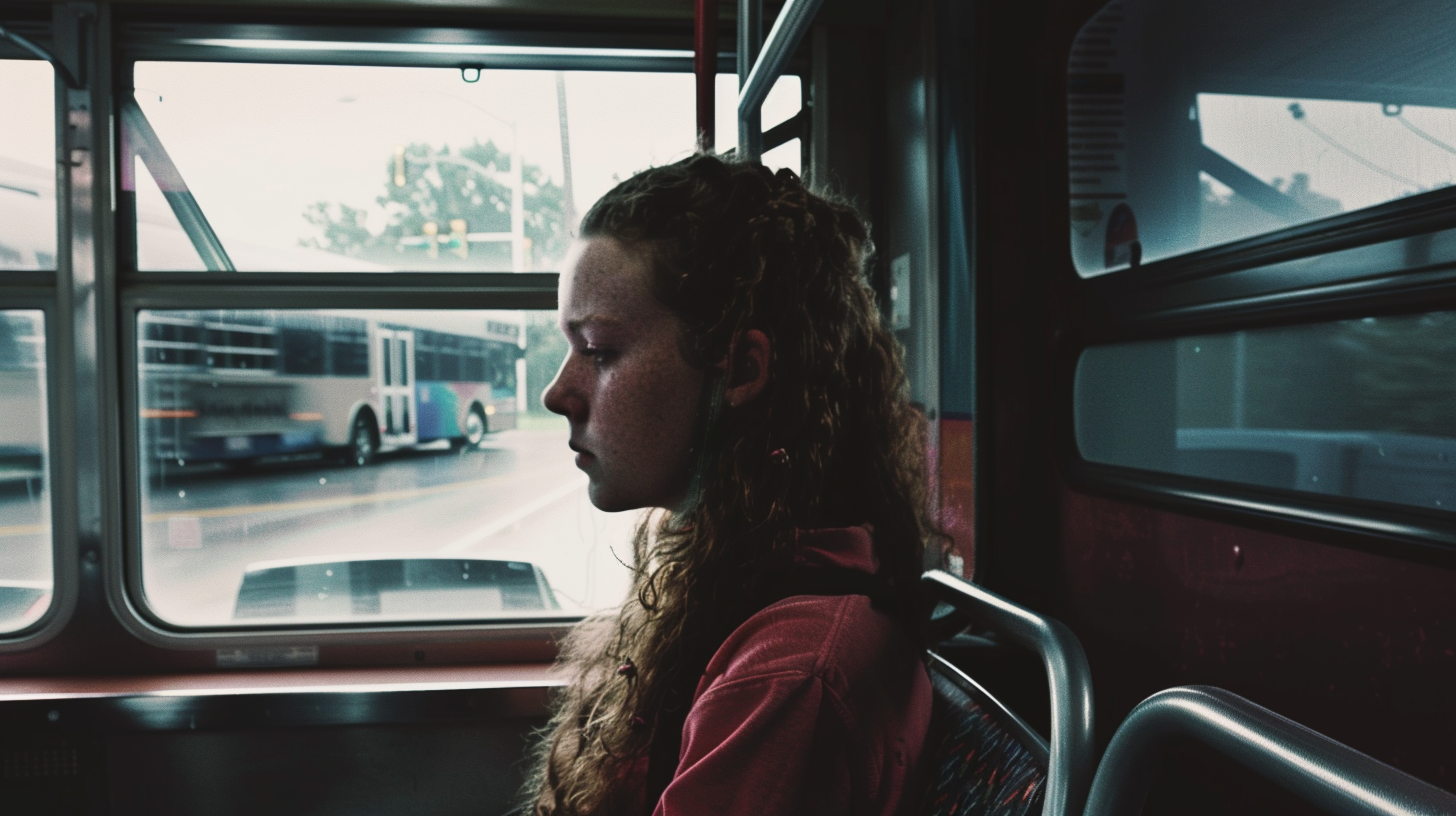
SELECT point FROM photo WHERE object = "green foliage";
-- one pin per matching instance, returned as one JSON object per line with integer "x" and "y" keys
{"x": 440, "y": 187}
{"x": 545, "y": 349}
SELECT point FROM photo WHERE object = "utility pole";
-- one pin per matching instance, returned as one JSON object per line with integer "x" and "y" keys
{"x": 569, "y": 207}
{"x": 518, "y": 204}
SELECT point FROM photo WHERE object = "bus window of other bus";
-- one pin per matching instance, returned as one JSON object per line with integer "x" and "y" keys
{"x": 26, "y": 562}
{"x": 27, "y": 165}
{"x": 340, "y": 466}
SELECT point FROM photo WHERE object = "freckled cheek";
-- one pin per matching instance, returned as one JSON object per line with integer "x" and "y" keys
{"x": 642, "y": 411}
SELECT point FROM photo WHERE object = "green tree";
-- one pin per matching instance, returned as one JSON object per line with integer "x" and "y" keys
{"x": 440, "y": 187}
{"x": 545, "y": 349}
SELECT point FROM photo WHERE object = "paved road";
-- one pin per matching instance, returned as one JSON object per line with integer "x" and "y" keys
{"x": 520, "y": 496}
{"x": 25, "y": 540}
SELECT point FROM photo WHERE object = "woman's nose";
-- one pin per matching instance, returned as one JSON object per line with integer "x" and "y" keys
{"x": 558, "y": 397}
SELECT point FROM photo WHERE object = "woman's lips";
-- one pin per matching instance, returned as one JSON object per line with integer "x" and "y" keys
{"x": 583, "y": 457}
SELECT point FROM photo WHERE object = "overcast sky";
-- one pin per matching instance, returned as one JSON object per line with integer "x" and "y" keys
{"x": 1352, "y": 151}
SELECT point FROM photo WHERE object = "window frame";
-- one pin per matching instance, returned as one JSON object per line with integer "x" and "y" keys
{"x": 60, "y": 473}
{"x": 1269, "y": 280}
{"x": 136, "y": 290}
{"x": 44, "y": 291}
{"x": 91, "y": 299}
{"x": 203, "y": 290}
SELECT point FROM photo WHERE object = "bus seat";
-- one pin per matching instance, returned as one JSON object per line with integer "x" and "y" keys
{"x": 1327, "y": 774}
{"x": 983, "y": 759}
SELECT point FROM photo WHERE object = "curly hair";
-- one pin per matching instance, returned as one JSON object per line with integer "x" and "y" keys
{"x": 832, "y": 441}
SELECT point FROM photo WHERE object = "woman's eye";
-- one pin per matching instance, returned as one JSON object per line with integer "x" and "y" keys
{"x": 600, "y": 355}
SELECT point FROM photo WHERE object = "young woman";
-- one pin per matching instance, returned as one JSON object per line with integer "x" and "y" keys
{"x": 728, "y": 365}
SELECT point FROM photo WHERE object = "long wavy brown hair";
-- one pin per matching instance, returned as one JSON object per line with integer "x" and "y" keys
{"x": 832, "y": 441}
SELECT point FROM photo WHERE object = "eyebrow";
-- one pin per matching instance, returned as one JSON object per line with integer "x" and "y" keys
{"x": 576, "y": 325}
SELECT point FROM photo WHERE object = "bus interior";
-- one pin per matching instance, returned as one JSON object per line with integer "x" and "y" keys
{"x": 285, "y": 528}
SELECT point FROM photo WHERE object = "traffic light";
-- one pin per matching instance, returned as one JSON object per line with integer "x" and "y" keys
{"x": 459, "y": 237}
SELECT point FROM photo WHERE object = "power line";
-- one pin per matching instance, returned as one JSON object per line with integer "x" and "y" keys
{"x": 1424, "y": 135}
{"x": 1297, "y": 111}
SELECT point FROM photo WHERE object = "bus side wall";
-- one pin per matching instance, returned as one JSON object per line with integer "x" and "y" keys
{"x": 443, "y": 408}
{"x": 1358, "y": 645}
{"x": 336, "y": 399}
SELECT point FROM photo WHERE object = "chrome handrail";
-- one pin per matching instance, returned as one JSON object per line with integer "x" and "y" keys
{"x": 783, "y": 39}
{"x": 139, "y": 138}
{"x": 1326, "y": 773}
{"x": 1073, "y": 753}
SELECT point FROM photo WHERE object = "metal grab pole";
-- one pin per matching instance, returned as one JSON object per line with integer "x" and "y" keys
{"x": 787, "y": 32}
{"x": 1329, "y": 775}
{"x": 705, "y": 67}
{"x": 1069, "y": 683}
{"x": 750, "y": 42}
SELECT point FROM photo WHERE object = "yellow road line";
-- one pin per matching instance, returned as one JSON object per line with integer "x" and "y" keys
{"x": 339, "y": 501}
{"x": 24, "y": 529}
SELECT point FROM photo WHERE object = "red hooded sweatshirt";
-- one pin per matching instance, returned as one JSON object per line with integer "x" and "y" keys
{"x": 815, "y": 705}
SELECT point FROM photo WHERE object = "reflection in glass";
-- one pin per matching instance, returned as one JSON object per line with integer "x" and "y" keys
{"x": 273, "y": 442}
{"x": 373, "y": 168}
{"x": 437, "y": 587}
{"x": 27, "y": 165}
{"x": 1358, "y": 408}
{"x": 26, "y": 564}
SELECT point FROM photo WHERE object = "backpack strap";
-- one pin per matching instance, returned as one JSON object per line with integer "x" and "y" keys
{"x": 775, "y": 586}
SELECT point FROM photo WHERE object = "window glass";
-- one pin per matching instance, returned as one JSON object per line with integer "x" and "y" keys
{"x": 363, "y": 467}
{"x": 1368, "y": 411}
{"x": 27, "y": 165}
{"x": 1196, "y": 124}
{"x": 789, "y": 154}
{"x": 359, "y": 168}
{"x": 26, "y": 563}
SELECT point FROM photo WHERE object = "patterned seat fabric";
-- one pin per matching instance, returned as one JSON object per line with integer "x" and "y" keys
{"x": 978, "y": 767}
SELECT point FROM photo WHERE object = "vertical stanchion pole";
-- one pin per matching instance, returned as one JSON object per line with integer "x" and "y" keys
{"x": 750, "y": 42}
{"x": 705, "y": 67}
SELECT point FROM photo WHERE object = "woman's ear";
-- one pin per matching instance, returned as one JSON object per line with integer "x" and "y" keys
{"x": 748, "y": 372}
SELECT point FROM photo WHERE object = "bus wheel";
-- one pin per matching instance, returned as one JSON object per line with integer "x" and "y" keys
{"x": 363, "y": 446}
{"x": 475, "y": 427}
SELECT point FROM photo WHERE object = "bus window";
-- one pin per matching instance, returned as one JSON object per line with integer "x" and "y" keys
{"x": 297, "y": 168}
{"x": 1367, "y": 414}
{"x": 26, "y": 569}
{"x": 357, "y": 455}
{"x": 1185, "y": 132}
{"x": 27, "y": 165}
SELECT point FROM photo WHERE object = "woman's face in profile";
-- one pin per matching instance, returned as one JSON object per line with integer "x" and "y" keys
{"x": 629, "y": 395}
